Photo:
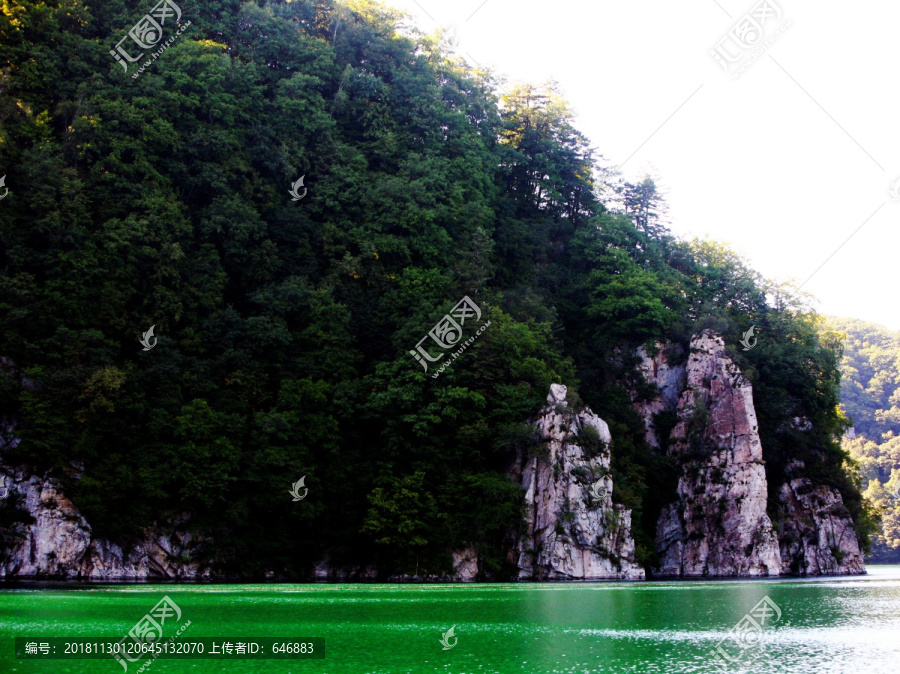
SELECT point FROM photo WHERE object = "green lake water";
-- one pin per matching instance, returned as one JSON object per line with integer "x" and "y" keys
{"x": 826, "y": 626}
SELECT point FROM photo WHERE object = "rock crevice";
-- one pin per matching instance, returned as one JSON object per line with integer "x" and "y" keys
{"x": 719, "y": 525}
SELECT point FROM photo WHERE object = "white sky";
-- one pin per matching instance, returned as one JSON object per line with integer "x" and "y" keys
{"x": 783, "y": 167}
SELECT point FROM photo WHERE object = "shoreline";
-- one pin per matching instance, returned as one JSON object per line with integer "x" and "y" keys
{"x": 23, "y": 583}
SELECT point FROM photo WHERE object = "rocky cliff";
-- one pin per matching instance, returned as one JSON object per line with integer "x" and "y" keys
{"x": 572, "y": 530}
{"x": 53, "y": 540}
{"x": 668, "y": 380}
{"x": 818, "y": 538}
{"x": 59, "y": 542}
{"x": 719, "y": 526}
{"x": 46, "y": 535}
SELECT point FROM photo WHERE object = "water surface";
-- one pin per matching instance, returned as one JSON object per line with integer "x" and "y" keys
{"x": 835, "y": 625}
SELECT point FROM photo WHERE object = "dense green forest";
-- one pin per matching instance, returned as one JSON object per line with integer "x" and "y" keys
{"x": 285, "y": 327}
{"x": 870, "y": 395}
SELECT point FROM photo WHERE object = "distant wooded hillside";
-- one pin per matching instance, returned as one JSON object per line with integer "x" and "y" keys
{"x": 870, "y": 394}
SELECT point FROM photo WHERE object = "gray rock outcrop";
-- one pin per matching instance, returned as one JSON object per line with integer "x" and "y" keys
{"x": 60, "y": 543}
{"x": 668, "y": 378}
{"x": 572, "y": 530}
{"x": 818, "y": 538}
{"x": 719, "y": 525}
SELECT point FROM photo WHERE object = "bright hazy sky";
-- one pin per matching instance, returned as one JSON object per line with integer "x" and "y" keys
{"x": 784, "y": 163}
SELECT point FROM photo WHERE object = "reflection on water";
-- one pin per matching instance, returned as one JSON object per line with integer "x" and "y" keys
{"x": 828, "y": 626}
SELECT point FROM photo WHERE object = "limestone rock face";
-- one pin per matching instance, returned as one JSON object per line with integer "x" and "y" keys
{"x": 668, "y": 378}
{"x": 718, "y": 526}
{"x": 818, "y": 537}
{"x": 60, "y": 543}
{"x": 465, "y": 565}
{"x": 572, "y": 530}
{"x": 58, "y": 535}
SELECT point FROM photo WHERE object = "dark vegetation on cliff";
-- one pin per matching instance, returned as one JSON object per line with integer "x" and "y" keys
{"x": 285, "y": 327}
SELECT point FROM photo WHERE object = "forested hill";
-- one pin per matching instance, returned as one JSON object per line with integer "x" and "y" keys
{"x": 285, "y": 326}
{"x": 870, "y": 395}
